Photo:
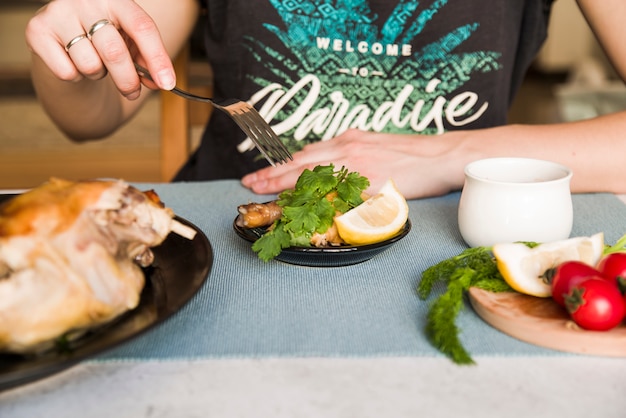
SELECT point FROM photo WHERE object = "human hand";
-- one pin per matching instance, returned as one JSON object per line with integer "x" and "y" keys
{"x": 419, "y": 165}
{"x": 79, "y": 39}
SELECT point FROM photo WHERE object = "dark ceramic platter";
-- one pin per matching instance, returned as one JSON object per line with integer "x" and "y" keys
{"x": 180, "y": 269}
{"x": 340, "y": 256}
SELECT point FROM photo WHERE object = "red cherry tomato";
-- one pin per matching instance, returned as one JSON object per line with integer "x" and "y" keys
{"x": 613, "y": 267}
{"x": 596, "y": 304}
{"x": 566, "y": 275}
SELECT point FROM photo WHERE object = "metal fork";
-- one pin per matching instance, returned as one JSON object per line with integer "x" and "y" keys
{"x": 248, "y": 119}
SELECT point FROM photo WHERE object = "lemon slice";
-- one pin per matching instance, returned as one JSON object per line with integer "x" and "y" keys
{"x": 523, "y": 267}
{"x": 376, "y": 219}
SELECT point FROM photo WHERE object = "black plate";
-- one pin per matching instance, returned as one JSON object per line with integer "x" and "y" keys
{"x": 340, "y": 256}
{"x": 180, "y": 268}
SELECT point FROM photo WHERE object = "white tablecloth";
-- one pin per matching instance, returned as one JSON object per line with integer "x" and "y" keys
{"x": 321, "y": 387}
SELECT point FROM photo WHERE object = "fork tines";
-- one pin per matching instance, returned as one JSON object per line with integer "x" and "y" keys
{"x": 262, "y": 135}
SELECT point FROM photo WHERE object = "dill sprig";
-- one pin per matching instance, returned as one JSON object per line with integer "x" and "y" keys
{"x": 474, "y": 267}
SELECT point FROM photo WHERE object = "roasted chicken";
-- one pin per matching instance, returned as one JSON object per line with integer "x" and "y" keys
{"x": 70, "y": 258}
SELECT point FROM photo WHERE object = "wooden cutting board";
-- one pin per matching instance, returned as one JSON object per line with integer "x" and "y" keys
{"x": 542, "y": 322}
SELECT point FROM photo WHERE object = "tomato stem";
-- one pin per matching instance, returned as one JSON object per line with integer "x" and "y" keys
{"x": 574, "y": 300}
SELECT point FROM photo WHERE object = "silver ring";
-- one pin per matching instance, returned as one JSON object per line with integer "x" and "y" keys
{"x": 97, "y": 26}
{"x": 75, "y": 40}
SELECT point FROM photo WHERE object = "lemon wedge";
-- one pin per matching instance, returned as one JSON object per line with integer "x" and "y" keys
{"x": 378, "y": 218}
{"x": 522, "y": 267}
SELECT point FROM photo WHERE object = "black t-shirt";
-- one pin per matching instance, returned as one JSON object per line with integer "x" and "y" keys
{"x": 316, "y": 68}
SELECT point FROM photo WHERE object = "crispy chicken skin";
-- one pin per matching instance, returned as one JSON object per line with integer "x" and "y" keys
{"x": 255, "y": 215}
{"x": 69, "y": 254}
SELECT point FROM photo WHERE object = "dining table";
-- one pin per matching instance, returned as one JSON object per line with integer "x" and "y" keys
{"x": 275, "y": 339}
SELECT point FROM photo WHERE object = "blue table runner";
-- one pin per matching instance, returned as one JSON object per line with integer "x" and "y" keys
{"x": 248, "y": 308}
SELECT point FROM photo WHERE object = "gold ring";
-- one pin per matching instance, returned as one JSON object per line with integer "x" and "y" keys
{"x": 75, "y": 40}
{"x": 97, "y": 26}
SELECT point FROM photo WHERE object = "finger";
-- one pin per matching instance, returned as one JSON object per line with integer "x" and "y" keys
{"x": 276, "y": 184}
{"x": 49, "y": 47}
{"x": 82, "y": 52}
{"x": 140, "y": 27}
{"x": 277, "y": 179}
{"x": 61, "y": 41}
{"x": 115, "y": 56}
{"x": 306, "y": 158}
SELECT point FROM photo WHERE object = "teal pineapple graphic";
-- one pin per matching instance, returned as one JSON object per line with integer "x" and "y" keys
{"x": 347, "y": 68}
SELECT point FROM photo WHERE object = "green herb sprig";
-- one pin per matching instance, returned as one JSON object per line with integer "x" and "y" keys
{"x": 618, "y": 247}
{"x": 310, "y": 207}
{"x": 474, "y": 267}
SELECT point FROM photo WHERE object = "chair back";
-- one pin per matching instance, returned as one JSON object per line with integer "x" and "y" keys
{"x": 179, "y": 116}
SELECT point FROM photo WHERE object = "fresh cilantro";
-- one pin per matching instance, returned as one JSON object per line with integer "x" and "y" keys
{"x": 311, "y": 207}
{"x": 474, "y": 267}
{"x": 351, "y": 188}
{"x": 272, "y": 243}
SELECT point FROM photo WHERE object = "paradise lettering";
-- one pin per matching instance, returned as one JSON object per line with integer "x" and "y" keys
{"x": 340, "y": 115}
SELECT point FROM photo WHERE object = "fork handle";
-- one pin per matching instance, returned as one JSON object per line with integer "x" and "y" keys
{"x": 143, "y": 72}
